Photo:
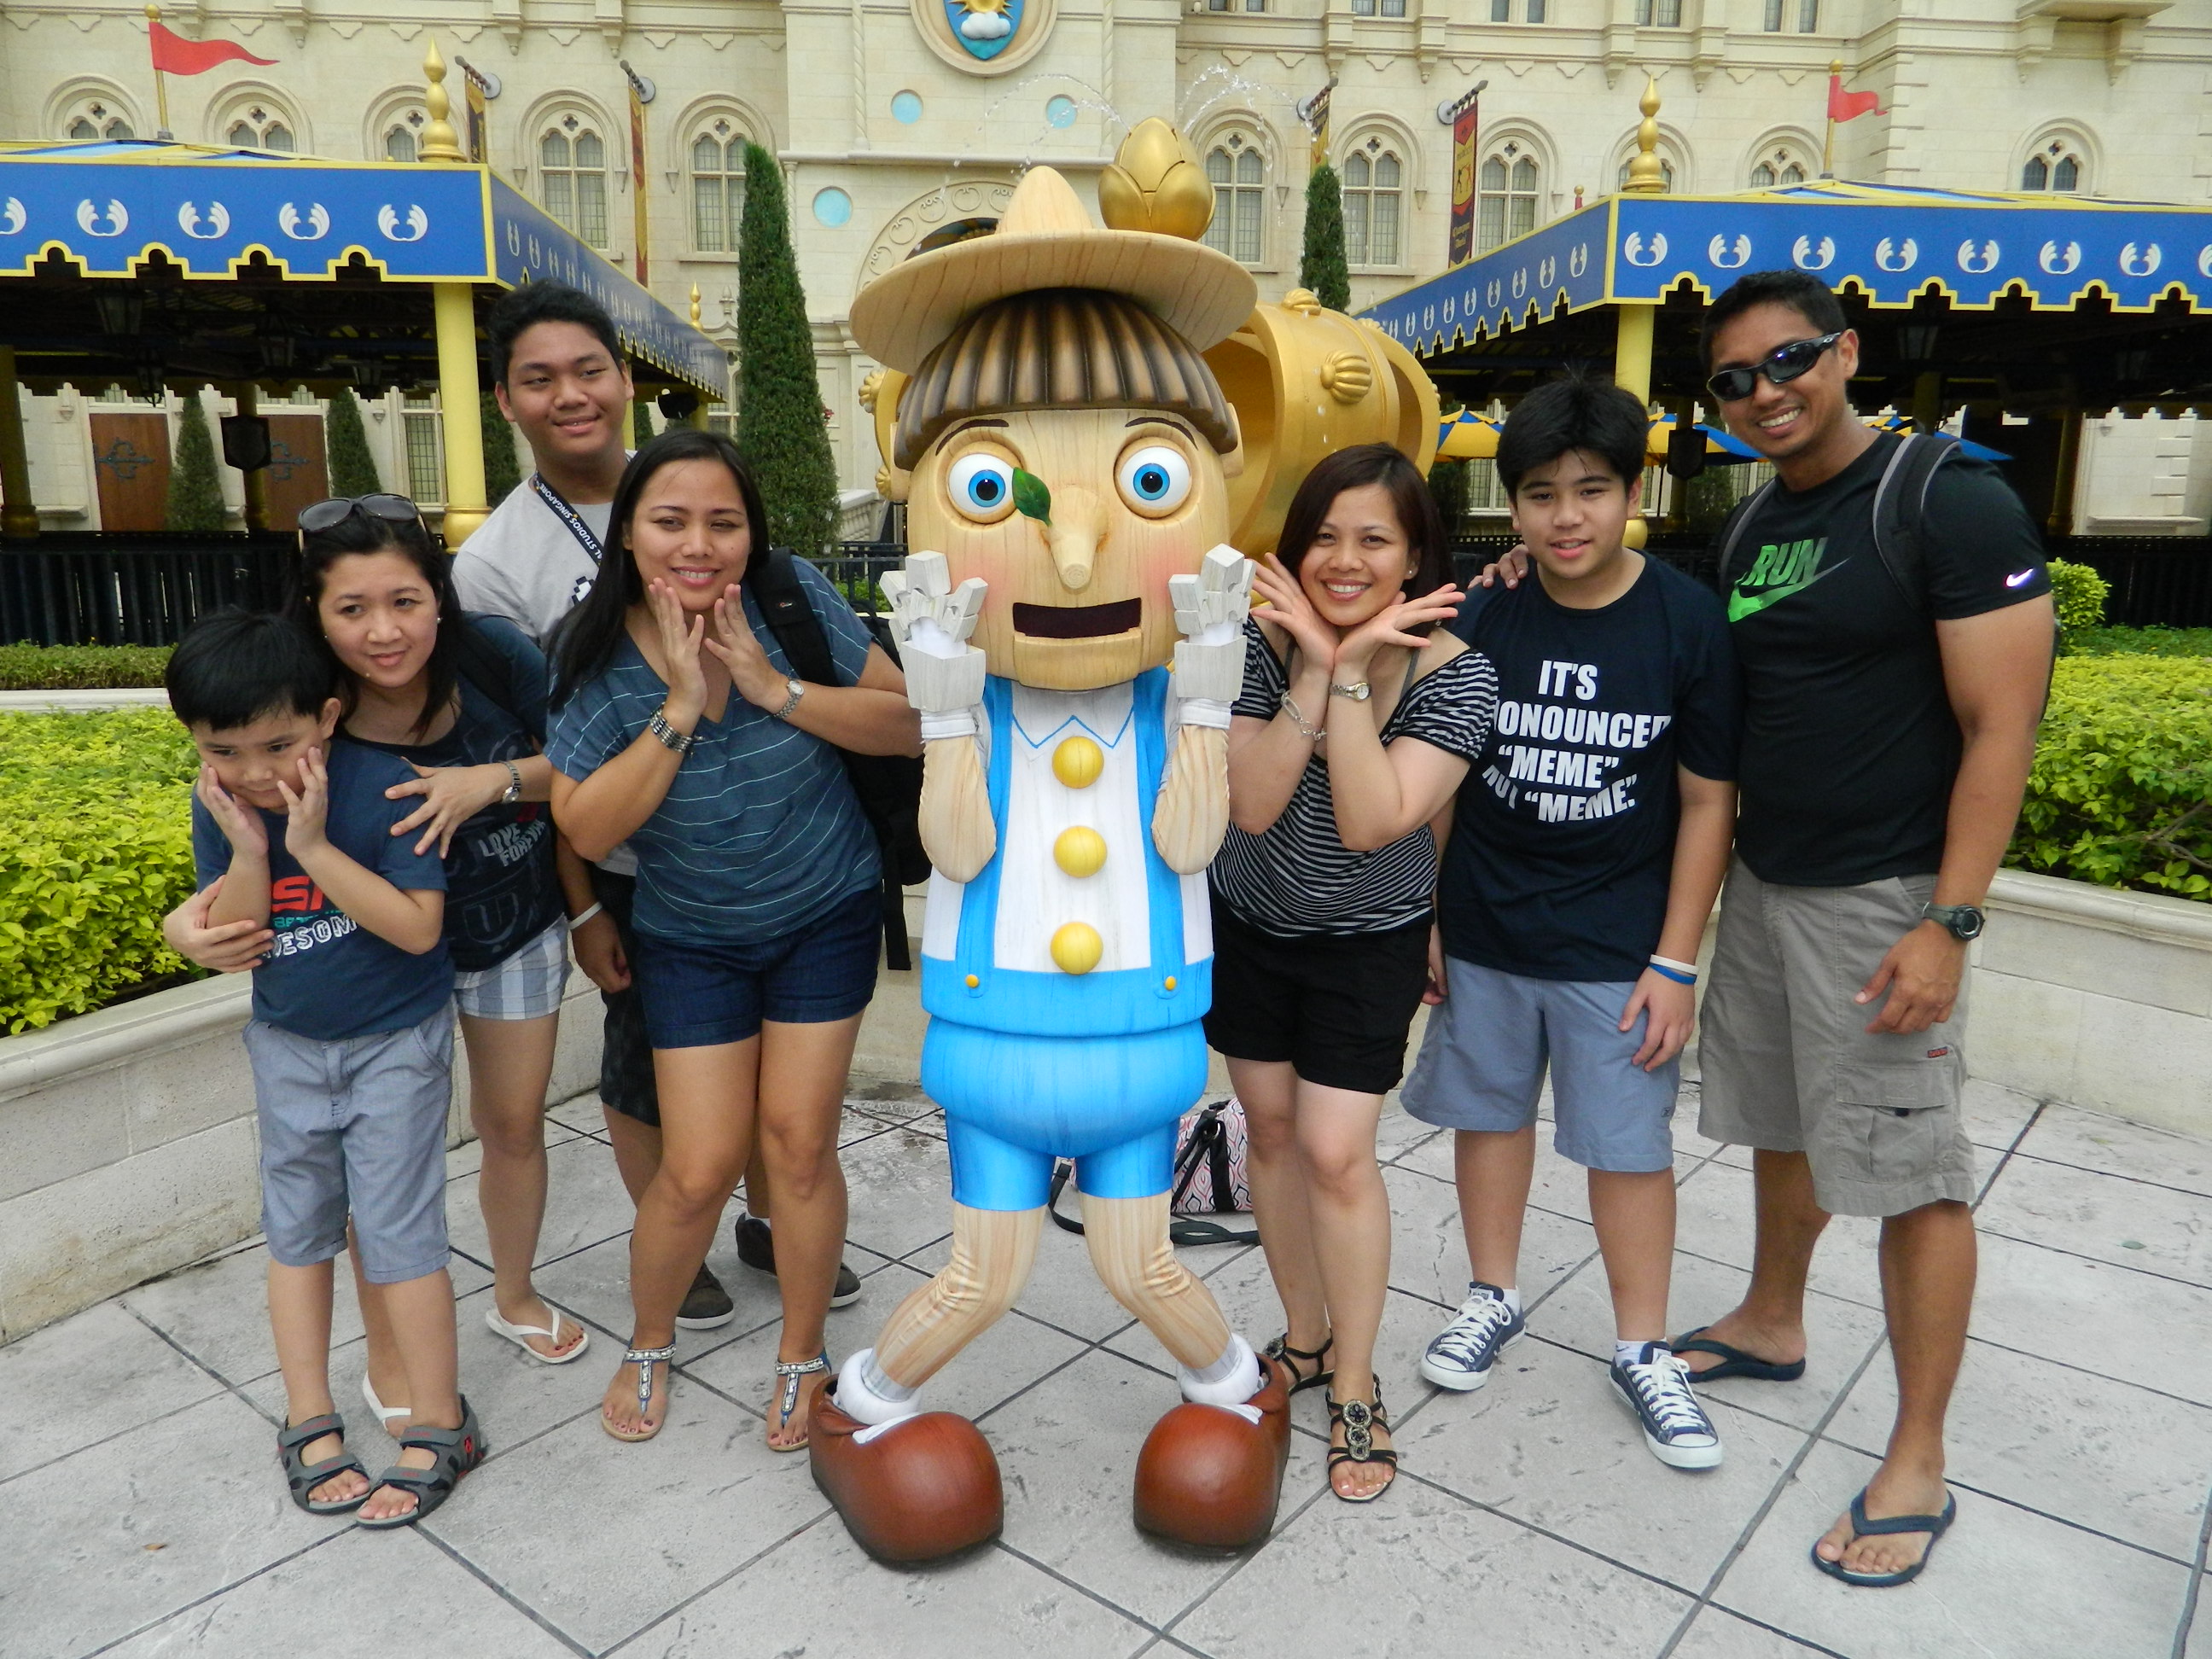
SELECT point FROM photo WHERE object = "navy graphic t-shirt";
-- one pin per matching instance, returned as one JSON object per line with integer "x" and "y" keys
{"x": 1563, "y": 838}
{"x": 326, "y": 977}
{"x": 502, "y": 888}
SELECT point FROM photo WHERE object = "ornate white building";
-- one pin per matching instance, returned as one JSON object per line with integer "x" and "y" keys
{"x": 902, "y": 121}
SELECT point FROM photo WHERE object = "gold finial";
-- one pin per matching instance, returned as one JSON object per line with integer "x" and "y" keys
{"x": 1835, "y": 64}
{"x": 439, "y": 142}
{"x": 1645, "y": 176}
{"x": 694, "y": 305}
{"x": 1155, "y": 183}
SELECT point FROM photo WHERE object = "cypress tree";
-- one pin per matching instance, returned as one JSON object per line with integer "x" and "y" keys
{"x": 641, "y": 424}
{"x": 1322, "y": 267}
{"x": 780, "y": 432}
{"x": 1449, "y": 482}
{"x": 353, "y": 469}
{"x": 195, "y": 487}
{"x": 501, "y": 472}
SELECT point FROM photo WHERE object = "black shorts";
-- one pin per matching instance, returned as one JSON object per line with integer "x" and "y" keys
{"x": 625, "y": 1052}
{"x": 1336, "y": 1006}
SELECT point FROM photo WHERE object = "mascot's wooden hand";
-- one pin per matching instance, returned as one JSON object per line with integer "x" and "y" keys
{"x": 931, "y": 620}
{"x": 1210, "y": 608}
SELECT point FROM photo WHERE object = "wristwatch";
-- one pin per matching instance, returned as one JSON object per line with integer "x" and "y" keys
{"x": 1961, "y": 922}
{"x": 796, "y": 689}
{"x": 513, "y": 793}
{"x": 1358, "y": 690}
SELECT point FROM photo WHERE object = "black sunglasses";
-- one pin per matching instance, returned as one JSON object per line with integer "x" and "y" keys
{"x": 329, "y": 514}
{"x": 1781, "y": 366}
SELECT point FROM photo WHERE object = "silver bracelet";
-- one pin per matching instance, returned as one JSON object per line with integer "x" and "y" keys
{"x": 678, "y": 741}
{"x": 1311, "y": 733}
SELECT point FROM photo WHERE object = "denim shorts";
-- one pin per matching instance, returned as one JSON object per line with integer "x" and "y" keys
{"x": 699, "y": 993}
{"x": 358, "y": 1125}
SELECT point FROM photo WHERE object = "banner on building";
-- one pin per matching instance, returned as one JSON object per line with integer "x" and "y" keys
{"x": 640, "y": 94}
{"x": 1314, "y": 112}
{"x": 1460, "y": 115}
{"x": 478, "y": 88}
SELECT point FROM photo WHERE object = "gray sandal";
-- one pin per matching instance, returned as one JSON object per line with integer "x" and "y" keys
{"x": 457, "y": 1451}
{"x": 304, "y": 1477}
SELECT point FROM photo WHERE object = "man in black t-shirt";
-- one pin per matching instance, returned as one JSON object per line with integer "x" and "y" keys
{"x": 1587, "y": 842}
{"x": 1889, "y": 724}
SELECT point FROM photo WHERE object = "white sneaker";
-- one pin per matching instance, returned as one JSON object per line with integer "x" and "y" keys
{"x": 1461, "y": 1357}
{"x": 1656, "y": 1388}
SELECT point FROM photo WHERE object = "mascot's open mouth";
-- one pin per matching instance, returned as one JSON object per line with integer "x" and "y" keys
{"x": 1078, "y": 622}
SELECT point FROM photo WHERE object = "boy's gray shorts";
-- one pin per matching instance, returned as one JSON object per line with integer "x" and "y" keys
{"x": 357, "y": 1125}
{"x": 1482, "y": 1064}
{"x": 1789, "y": 1066}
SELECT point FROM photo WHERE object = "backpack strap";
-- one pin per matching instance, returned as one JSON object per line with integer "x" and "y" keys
{"x": 1900, "y": 506}
{"x": 1739, "y": 520}
{"x": 783, "y": 599}
{"x": 486, "y": 667}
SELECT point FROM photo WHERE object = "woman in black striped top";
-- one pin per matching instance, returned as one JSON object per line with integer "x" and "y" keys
{"x": 1356, "y": 722}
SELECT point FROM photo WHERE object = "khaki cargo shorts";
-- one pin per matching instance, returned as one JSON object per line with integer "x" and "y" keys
{"x": 1790, "y": 1066}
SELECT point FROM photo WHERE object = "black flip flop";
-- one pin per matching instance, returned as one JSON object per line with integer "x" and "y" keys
{"x": 1734, "y": 1362}
{"x": 1863, "y": 1527}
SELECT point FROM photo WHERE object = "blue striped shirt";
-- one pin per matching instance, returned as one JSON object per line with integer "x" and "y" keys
{"x": 760, "y": 833}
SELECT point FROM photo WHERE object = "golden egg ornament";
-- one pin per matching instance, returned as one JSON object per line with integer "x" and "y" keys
{"x": 1076, "y": 948}
{"x": 1080, "y": 851}
{"x": 1077, "y": 762}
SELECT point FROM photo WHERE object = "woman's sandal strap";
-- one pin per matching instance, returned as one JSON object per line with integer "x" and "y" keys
{"x": 645, "y": 1360}
{"x": 1290, "y": 1358}
{"x": 791, "y": 1370}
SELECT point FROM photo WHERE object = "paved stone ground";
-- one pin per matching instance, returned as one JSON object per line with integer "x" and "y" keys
{"x": 141, "y": 1510}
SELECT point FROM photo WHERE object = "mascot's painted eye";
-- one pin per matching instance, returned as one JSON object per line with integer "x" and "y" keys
{"x": 981, "y": 486}
{"x": 1154, "y": 480}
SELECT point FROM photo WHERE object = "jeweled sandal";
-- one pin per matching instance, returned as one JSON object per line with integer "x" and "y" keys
{"x": 303, "y": 1477}
{"x": 1360, "y": 1419}
{"x": 787, "y": 1401}
{"x": 1290, "y": 1358}
{"x": 645, "y": 1360}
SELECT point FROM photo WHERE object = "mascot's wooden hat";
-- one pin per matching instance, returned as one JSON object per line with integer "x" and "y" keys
{"x": 1047, "y": 240}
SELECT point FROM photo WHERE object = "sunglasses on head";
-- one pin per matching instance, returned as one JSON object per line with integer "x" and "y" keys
{"x": 1781, "y": 366}
{"x": 329, "y": 514}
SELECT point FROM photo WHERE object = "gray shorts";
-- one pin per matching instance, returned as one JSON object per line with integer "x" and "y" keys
{"x": 355, "y": 1126}
{"x": 1482, "y": 1067}
{"x": 526, "y": 985}
{"x": 1790, "y": 1066}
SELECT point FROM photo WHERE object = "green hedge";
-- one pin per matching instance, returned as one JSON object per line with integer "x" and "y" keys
{"x": 95, "y": 847}
{"x": 2121, "y": 794}
{"x": 2140, "y": 642}
{"x": 80, "y": 667}
{"x": 2078, "y": 593}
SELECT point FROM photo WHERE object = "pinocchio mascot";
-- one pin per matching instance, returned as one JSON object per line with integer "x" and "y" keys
{"x": 1073, "y": 639}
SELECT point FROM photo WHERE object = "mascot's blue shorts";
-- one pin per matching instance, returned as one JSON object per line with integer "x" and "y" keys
{"x": 1013, "y": 1105}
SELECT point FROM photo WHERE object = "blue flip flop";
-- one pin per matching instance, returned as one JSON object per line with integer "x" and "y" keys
{"x": 1862, "y": 1526}
{"x": 1734, "y": 1362}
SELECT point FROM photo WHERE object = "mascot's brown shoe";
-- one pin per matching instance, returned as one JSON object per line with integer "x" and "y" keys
{"x": 922, "y": 1489}
{"x": 1210, "y": 1476}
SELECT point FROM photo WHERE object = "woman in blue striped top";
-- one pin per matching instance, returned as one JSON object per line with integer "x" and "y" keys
{"x": 680, "y": 727}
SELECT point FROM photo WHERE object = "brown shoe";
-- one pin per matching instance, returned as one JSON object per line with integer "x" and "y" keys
{"x": 923, "y": 1489}
{"x": 1209, "y": 1477}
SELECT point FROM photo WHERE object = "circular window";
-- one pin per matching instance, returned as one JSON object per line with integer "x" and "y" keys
{"x": 906, "y": 108}
{"x": 832, "y": 207}
{"x": 1060, "y": 110}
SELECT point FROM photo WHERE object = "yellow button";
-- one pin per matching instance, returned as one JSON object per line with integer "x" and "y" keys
{"x": 973, "y": 982}
{"x": 1080, "y": 851}
{"x": 1076, "y": 947}
{"x": 1077, "y": 762}
{"x": 1168, "y": 981}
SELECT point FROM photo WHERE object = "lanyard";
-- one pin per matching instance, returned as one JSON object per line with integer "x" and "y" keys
{"x": 568, "y": 515}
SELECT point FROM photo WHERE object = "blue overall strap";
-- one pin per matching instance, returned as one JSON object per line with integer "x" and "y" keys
{"x": 979, "y": 902}
{"x": 1162, "y": 887}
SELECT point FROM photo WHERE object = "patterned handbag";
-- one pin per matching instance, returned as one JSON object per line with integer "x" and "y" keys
{"x": 1211, "y": 1178}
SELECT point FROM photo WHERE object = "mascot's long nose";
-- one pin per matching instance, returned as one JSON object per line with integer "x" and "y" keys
{"x": 1078, "y": 524}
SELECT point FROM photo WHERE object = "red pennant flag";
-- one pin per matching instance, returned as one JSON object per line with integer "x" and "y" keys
{"x": 1850, "y": 106}
{"x": 175, "y": 55}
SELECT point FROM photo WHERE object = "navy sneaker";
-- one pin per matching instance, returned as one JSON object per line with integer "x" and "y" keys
{"x": 1461, "y": 1357}
{"x": 1656, "y": 1388}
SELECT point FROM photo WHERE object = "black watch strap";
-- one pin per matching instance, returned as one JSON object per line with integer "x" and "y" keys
{"x": 1961, "y": 922}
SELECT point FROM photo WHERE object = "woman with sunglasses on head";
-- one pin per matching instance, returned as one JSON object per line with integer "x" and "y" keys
{"x": 1356, "y": 720}
{"x": 461, "y": 699}
{"x": 680, "y": 727}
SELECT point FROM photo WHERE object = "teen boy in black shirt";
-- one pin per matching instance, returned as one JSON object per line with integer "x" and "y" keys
{"x": 1888, "y": 737}
{"x": 1588, "y": 842}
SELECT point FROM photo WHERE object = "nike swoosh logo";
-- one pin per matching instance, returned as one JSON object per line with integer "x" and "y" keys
{"x": 2026, "y": 575}
{"x": 1741, "y": 604}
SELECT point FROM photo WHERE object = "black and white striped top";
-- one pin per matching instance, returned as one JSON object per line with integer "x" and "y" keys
{"x": 1298, "y": 878}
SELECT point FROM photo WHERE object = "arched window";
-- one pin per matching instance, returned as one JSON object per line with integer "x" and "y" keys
{"x": 1239, "y": 174}
{"x": 572, "y": 160}
{"x": 1666, "y": 174}
{"x": 261, "y": 126}
{"x": 96, "y": 119}
{"x": 1776, "y": 167}
{"x": 1506, "y": 197}
{"x": 1373, "y": 204}
{"x": 717, "y": 186}
{"x": 2057, "y": 167}
{"x": 403, "y": 139}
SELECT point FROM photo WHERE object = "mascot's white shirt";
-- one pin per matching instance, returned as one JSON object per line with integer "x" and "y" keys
{"x": 1036, "y": 897}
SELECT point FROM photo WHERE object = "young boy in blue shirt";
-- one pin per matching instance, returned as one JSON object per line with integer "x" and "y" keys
{"x": 351, "y": 1043}
{"x": 1588, "y": 844}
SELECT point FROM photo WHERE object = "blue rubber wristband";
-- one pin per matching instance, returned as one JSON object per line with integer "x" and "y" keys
{"x": 1669, "y": 973}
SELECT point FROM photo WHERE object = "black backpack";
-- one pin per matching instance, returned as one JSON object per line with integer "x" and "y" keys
{"x": 888, "y": 786}
{"x": 1900, "y": 501}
